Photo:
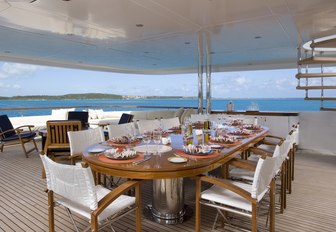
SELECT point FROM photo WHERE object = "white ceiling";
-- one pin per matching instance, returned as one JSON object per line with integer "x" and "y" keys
{"x": 102, "y": 34}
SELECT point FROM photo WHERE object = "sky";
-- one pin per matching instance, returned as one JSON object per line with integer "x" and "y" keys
{"x": 23, "y": 79}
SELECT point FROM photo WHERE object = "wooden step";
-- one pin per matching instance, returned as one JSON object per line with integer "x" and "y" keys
{"x": 330, "y": 43}
{"x": 316, "y": 87}
{"x": 320, "y": 98}
{"x": 314, "y": 75}
{"x": 317, "y": 60}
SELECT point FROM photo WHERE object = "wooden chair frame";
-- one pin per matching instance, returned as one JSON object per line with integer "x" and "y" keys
{"x": 20, "y": 133}
{"x": 102, "y": 204}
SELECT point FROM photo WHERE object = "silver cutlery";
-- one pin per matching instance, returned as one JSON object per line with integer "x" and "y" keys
{"x": 143, "y": 160}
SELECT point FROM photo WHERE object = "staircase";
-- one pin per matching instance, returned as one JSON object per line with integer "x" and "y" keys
{"x": 317, "y": 73}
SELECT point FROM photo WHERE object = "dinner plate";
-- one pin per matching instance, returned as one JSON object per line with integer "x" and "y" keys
{"x": 152, "y": 148}
{"x": 177, "y": 160}
{"x": 215, "y": 146}
{"x": 199, "y": 154}
{"x": 96, "y": 150}
{"x": 111, "y": 156}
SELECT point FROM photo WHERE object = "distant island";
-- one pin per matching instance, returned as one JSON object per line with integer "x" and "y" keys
{"x": 88, "y": 96}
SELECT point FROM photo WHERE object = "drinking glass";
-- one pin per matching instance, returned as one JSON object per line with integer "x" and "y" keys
{"x": 157, "y": 139}
{"x": 146, "y": 139}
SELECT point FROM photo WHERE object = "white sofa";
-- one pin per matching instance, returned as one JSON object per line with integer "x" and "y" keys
{"x": 99, "y": 116}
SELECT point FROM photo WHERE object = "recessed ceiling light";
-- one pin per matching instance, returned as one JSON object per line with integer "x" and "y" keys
{"x": 139, "y": 25}
{"x": 258, "y": 37}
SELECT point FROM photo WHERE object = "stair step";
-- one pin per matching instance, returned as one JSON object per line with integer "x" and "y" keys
{"x": 314, "y": 75}
{"x": 316, "y": 87}
{"x": 330, "y": 43}
{"x": 317, "y": 60}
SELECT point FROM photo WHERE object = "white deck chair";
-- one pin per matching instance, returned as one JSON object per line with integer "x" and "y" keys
{"x": 121, "y": 130}
{"x": 76, "y": 191}
{"x": 199, "y": 117}
{"x": 168, "y": 123}
{"x": 237, "y": 197}
{"x": 148, "y": 125}
{"x": 79, "y": 140}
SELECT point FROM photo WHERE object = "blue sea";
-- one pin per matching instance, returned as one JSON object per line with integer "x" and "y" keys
{"x": 283, "y": 104}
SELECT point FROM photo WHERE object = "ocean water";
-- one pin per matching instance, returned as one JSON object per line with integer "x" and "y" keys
{"x": 283, "y": 104}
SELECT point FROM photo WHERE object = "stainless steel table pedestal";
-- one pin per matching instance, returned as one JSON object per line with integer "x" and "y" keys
{"x": 168, "y": 201}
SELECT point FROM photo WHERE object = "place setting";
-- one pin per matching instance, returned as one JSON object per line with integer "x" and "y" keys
{"x": 121, "y": 155}
{"x": 197, "y": 151}
{"x": 123, "y": 141}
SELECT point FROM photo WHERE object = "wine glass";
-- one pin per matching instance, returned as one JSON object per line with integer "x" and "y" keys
{"x": 146, "y": 139}
{"x": 157, "y": 139}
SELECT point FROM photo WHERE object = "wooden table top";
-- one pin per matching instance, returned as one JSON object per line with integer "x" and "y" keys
{"x": 158, "y": 166}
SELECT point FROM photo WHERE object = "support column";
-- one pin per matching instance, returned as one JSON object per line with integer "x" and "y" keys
{"x": 200, "y": 73}
{"x": 208, "y": 73}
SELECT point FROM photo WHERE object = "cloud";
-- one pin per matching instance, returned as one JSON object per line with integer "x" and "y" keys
{"x": 242, "y": 81}
{"x": 8, "y": 70}
{"x": 9, "y": 86}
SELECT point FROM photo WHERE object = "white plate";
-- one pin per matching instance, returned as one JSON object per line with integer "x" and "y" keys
{"x": 96, "y": 150}
{"x": 152, "y": 148}
{"x": 215, "y": 146}
{"x": 177, "y": 160}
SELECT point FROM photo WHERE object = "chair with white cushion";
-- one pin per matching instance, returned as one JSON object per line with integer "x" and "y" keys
{"x": 199, "y": 117}
{"x": 119, "y": 130}
{"x": 79, "y": 140}
{"x": 168, "y": 123}
{"x": 76, "y": 191}
{"x": 236, "y": 197}
{"x": 148, "y": 125}
{"x": 239, "y": 172}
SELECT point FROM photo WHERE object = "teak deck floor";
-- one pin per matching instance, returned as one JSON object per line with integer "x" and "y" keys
{"x": 23, "y": 202}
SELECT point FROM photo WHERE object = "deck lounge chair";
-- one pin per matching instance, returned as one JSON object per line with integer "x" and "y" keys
{"x": 20, "y": 135}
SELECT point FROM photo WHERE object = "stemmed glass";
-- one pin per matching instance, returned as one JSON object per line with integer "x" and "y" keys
{"x": 157, "y": 139}
{"x": 146, "y": 139}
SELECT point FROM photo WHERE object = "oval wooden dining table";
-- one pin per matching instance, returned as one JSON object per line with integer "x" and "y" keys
{"x": 168, "y": 196}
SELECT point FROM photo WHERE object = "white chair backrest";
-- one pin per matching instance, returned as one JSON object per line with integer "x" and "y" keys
{"x": 199, "y": 117}
{"x": 72, "y": 182}
{"x": 296, "y": 135}
{"x": 278, "y": 156}
{"x": 218, "y": 117}
{"x": 168, "y": 123}
{"x": 79, "y": 140}
{"x": 263, "y": 175}
{"x": 285, "y": 148}
{"x": 148, "y": 125}
{"x": 119, "y": 130}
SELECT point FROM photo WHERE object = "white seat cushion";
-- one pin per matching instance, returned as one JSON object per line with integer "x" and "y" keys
{"x": 118, "y": 205}
{"x": 223, "y": 196}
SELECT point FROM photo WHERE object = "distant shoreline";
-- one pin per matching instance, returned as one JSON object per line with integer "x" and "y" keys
{"x": 99, "y": 96}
